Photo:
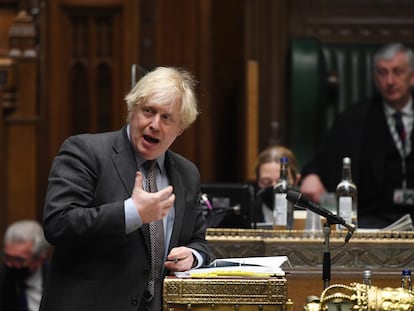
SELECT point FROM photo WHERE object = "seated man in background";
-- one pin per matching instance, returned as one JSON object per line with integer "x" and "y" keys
{"x": 382, "y": 160}
{"x": 267, "y": 175}
{"x": 24, "y": 269}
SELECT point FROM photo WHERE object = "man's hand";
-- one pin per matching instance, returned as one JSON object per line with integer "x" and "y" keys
{"x": 151, "y": 206}
{"x": 180, "y": 259}
{"x": 312, "y": 188}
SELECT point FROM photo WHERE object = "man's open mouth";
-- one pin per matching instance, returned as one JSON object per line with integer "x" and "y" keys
{"x": 151, "y": 139}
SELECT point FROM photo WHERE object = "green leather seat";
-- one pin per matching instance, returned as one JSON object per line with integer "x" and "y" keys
{"x": 324, "y": 80}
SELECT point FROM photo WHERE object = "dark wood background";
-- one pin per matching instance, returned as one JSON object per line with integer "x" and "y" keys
{"x": 65, "y": 66}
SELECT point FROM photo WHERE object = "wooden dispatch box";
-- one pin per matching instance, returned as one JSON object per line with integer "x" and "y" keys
{"x": 225, "y": 294}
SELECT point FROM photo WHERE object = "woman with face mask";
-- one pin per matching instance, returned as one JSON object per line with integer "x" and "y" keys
{"x": 267, "y": 175}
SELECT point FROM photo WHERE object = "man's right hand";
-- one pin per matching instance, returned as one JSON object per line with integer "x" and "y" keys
{"x": 312, "y": 188}
{"x": 151, "y": 206}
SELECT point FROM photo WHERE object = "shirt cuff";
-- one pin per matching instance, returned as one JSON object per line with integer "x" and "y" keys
{"x": 132, "y": 219}
{"x": 198, "y": 259}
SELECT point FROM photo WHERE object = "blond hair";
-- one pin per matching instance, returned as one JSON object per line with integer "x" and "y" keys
{"x": 166, "y": 85}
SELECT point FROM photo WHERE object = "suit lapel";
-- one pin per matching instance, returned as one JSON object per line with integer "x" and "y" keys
{"x": 377, "y": 136}
{"x": 124, "y": 160}
{"x": 123, "y": 157}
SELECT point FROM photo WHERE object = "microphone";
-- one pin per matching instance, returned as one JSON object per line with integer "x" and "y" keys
{"x": 298, "y": 199}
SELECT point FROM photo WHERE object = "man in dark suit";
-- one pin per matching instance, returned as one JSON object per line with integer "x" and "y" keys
{"x": 25, "y": 266}
{"x": 382, "y": 160}
{"x": 97, "y": 213}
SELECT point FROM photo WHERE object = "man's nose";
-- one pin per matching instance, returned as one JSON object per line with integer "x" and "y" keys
{"x": 390, "y": 78}
{"x": 155, "y": 121}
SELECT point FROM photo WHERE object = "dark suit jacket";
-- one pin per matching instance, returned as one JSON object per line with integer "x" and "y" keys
{"x": 10, "y": 289}
{"x": 95, "y": 264}
{"x": 362, "y": 133}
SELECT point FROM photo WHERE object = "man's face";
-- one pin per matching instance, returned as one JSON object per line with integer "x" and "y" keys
{"x": 153, "y": 128}
{"x": 393, "y": 79}
{"x": 18, "y": 255}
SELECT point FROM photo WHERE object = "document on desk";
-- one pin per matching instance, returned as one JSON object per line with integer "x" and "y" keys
{"x": 249, "y": 267}
{"x": 405, "y": 223}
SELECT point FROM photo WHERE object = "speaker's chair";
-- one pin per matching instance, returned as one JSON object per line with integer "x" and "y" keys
{"x": 324, "y": 80}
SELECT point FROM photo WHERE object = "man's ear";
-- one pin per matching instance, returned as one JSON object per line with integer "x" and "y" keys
{"x": 412, "y": 78}
{"x": 374, "y": 79}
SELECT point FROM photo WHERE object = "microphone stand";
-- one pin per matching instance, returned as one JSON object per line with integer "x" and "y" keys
{"x": 326, "y": 267}
{"x": 331, "y": 219}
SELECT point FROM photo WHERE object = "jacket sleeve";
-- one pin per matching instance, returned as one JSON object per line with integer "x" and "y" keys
{"x": 73, "y": 213}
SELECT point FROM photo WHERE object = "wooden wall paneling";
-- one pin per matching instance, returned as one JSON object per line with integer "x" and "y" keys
{"x": 127, "y": 48}
{"x": 205, "y": 125}
{"x": 19, "y": 122}
{"x": 88, "y": 66}
{"x": 3, "y": 199}
{"x": 7, "y": 105}
{"x": 277, "y": 68}
{"x": 6, "y": 19}
{"x": 56, "y": 78}
{"x": 267, "y": 24}
{"x": 7, "y": 15}
{"x": 228, "y": 90}
{"x": 177, "y": 44}
{"x": 147, "y": 36}
{"x": 338, "y": 21}
{"x": 252, "y": 119}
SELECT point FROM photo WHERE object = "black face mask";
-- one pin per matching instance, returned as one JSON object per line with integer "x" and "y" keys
{"x": 18, "y": 274}
{"x": 267, "y": 196}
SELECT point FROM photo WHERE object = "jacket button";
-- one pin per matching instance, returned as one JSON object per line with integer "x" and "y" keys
{"x": 134, "y": 301}
{"x": 147, "y": 295}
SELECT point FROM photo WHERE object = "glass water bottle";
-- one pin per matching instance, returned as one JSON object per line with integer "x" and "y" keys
{"x": 283, "y": 209}
{"x": 347, "y": 196}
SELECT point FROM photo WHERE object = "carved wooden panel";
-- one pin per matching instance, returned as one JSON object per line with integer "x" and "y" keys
{"x": 87, "y": 66}
{"x": 381, "y": 251}
{"x": 353, "y": 21}
{"x": 93, "y": 64}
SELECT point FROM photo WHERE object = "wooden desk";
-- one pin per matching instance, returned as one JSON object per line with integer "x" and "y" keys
{"x": 384, "y": 253}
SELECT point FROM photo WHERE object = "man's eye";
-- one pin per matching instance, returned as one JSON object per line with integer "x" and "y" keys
{"x": 381, "y": 72}
{"x": 147, "y": 110}
{"x": 168, "y": 118}
{"x": 399, "y": 71}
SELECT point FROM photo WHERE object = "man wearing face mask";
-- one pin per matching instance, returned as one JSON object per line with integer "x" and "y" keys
{"x": 24, "y": 266}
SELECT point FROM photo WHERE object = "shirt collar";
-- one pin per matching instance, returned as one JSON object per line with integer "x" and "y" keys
{"x": 35, "y": 279}
{"x": 406, "y": 110}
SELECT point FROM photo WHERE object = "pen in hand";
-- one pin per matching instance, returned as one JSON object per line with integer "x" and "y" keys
{"x": 175, "y": 260}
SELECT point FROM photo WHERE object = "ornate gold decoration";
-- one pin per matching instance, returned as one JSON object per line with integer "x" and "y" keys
{"x": 364, "y": 298}
{"x": 380, "y": 250}
{"x": 189, "y": 293}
